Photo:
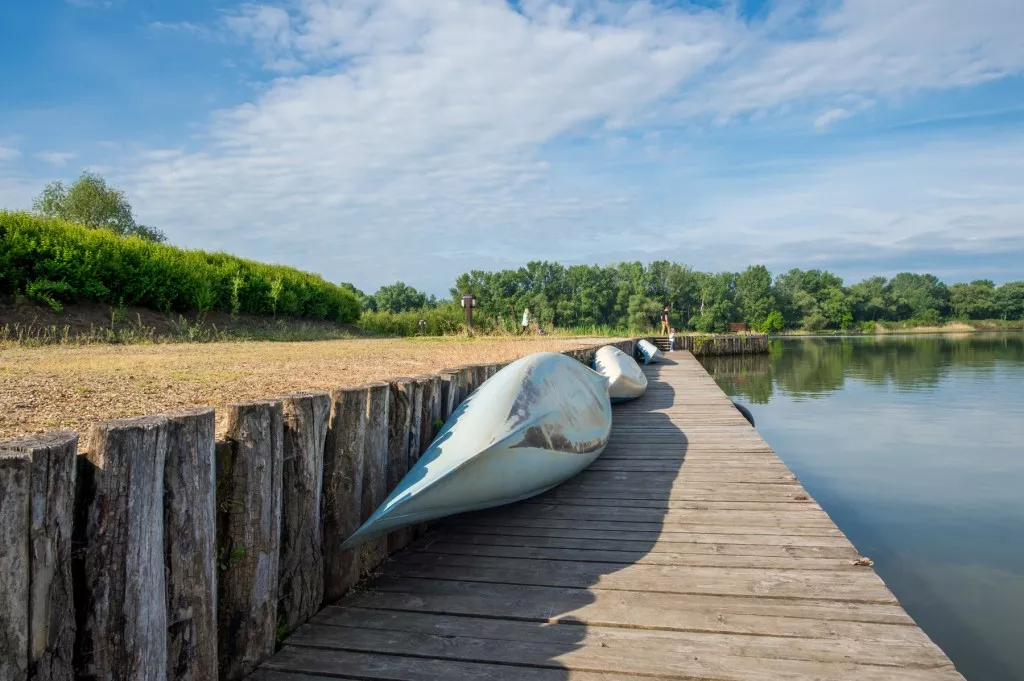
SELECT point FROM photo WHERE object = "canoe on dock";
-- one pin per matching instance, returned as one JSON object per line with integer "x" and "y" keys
{"x": 649, "y": 351}
{"x": 531, "y": 426}
{"x": 626, "y": 380}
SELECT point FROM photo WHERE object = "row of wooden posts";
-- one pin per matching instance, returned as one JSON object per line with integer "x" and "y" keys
{"x": 732, "y": 344}
{"x": 164, "y": 553}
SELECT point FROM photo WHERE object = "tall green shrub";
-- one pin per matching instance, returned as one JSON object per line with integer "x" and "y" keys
{"x": 59, "y": 262}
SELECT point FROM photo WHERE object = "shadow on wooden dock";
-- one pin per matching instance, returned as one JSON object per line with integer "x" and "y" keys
{"x": 635, "y": 568}
{"x": 506, "y": 593}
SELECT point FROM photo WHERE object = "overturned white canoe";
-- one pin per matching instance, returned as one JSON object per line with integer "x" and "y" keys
{"x": 531, "y": 426}
{"x": 649, "y": 351}
{"x": 626, "y": 380}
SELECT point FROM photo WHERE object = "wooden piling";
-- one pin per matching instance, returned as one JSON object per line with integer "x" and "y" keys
{"x": 343, "y": 488}
{"x": 403, "y": 422}
{"x": 15, "y": 524}
{"x": 190, "y": 545}
{"x": 50, "y": 608}
{"x": 120, "y": 590}
{"x": 450, "y": 391}
{"x": 301, "y": 582}
{"x": 375, "y": 458}
{"x": 249, "y": 500}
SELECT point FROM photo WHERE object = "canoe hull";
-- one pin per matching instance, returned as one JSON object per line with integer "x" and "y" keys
{"x": 626, "y": 380}
{"x": 649, "y": 351}
{"x": 531, "y": 426}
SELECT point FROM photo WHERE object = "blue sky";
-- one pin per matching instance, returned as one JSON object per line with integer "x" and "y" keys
{"x": 375, "y": 140}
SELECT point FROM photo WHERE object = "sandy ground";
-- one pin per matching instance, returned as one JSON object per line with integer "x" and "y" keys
{"x": 52, "y": 388}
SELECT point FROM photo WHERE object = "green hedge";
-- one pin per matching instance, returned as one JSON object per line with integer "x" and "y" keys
{"x": 56, "y": 262}
{"x": 441, "y": 321}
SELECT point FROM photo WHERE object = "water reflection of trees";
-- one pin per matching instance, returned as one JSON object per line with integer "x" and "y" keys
{"x": 812, "y": 367}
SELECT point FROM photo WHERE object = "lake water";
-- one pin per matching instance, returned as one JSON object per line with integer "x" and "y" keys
{"x": 915, "y": 446}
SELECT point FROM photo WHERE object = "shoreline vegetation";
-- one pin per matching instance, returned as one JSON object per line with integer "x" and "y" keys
{"x": 63, "y": 283}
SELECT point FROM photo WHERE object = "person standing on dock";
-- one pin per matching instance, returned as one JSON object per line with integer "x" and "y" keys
{"x": 672, "y": 338}
{"x": 664, "y": 321}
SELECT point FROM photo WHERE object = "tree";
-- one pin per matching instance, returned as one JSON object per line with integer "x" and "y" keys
{"x": 773, "y": 323}
{"x": 976, "y": 300}
{"x": 399, "y": 297}
{"x": 921, "y": 297}
{"x": 91, "y": 202}
{"x": 870, "y": 300}
{"x": 1010, "y": 298}
{"x": 754, "y": 296}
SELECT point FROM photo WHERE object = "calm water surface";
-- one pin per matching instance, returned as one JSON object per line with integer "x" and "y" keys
{"x": 915, "y": 447}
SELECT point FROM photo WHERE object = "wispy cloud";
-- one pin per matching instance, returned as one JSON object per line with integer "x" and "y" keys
{"x": 56, "y": 158}
{"x": 829, "y": 117}
{"x": 9, "y": 153}
{"x": 97, "y": 4}
{"x": 183, "y": 28}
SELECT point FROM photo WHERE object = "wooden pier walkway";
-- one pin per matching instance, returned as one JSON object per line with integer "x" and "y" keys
{"x": 687, "y": 551}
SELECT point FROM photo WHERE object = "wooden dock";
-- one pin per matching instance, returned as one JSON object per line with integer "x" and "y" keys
{"x": 687, "y": 551}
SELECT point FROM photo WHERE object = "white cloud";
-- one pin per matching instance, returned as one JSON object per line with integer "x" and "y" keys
{"x": 422, "y": 132}
{"x": 829, "y": 117}
{"x": 9, "y": 153}
{"x": 56, "y": 158}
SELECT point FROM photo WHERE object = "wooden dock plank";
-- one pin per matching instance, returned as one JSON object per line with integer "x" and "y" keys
{"x": 688, "y": 550}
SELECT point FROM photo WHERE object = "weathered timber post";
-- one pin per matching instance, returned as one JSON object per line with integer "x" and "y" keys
{"x": 15, "y": 523}
{"x": 120, "y": 589}
{"x": 430, "y": 424}
{"x": 466, "y": 383}
{"x": 301, "y": 582}
{"x": 450, "y": 390}
{"x": 343, "y": 488}
{"x": 190, "y": 545}
{"x": 401, "y": 412}
{"x": 249, "y": 500}
{"x": 375, "y": 460}
{"x": 479, "y": 375}
{"x": 431, "y": 412}
{"x": 50, "y": 606}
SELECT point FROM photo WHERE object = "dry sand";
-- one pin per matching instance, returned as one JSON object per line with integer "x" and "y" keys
{"x": 67, "y": 387}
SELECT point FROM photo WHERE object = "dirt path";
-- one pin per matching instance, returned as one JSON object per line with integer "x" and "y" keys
{"x": 50, "y": 388}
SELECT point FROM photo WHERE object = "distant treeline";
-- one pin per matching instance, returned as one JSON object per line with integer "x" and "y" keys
{"x": 56, "y": 262}
{"x": 631, "y": 296}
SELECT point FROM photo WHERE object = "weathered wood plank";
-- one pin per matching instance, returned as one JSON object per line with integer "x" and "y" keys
{"x": 249, "y": 542}
{"x": 344, "y": 450}
{"x": 190, "y": 545}
{"x": 670, "y": 661}
{"x": 301, "y": 566}
{"x": 911, "y": 649}
{"x": 120, "y": 588}
{"x": 695, "y": 612}
{"x": 51, "y": 610}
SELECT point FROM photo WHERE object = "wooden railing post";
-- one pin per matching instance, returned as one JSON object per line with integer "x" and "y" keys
{"x": 343, "y": 488}
{"x": 50, "y": 606}
{"x": 190, "y": 545}
{"x": 301, "y": 581}
{"x": 403, "y": 425}
{"x": 120, "y": 588}
{"x": 249, "y": 500}
{"x": 15, "y": 523}
{"x": 375, "y": 459}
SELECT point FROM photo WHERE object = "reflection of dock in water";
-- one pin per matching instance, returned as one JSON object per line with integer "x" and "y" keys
{"x": 686, "y": 551}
